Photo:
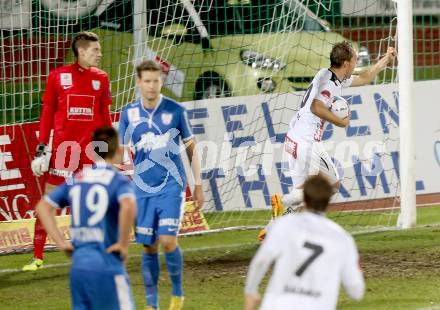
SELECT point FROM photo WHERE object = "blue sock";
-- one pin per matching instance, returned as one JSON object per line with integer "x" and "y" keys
{"x": 150, "y": 273}
{"x": 175, "y": 265}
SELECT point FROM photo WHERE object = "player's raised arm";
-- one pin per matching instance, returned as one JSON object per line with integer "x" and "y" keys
{"x": 368, "y": 76}
{"x": 319, "y": 109}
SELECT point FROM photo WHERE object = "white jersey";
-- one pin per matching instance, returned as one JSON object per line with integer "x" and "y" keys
{"x": 305, "y": 125}
{"x": 312, "y": 255}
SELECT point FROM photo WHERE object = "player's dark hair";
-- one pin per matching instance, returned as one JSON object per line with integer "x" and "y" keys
{"x": 105, "y": 142}
{"x": 82, "y": 39}
{"x": 317, "y": 193}
{"x": 148, "y": 65}
{"x": 342, "y": 51}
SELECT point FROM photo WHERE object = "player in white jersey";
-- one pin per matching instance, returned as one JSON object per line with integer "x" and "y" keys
{"x": 314, "y": 257}
{"x": 303, "y": 148}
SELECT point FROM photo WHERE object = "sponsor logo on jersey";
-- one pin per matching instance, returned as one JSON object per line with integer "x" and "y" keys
{"x": 150, "y": 141}
{"x": 167, "y": 118}
{"x": 96, "y": 84}
{"x": 291, "y": 147}
{"x": 80, "y": 111}
{"x": 80, "y": 107}
{"x": 66, "y": 80}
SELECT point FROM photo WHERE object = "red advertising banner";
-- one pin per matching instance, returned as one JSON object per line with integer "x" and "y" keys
{"x": 20, "y": 190}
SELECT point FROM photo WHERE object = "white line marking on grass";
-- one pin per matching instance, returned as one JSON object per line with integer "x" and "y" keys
{"x": 44, "y": 267}
{"x": 206, "y": 248}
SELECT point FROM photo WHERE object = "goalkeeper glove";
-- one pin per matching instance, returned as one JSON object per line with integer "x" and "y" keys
{"x": 40, "y": 164}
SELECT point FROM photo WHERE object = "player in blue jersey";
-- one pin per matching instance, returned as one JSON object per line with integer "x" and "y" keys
{"x": 154, "y": 125}
{"x": 103, "y": 211}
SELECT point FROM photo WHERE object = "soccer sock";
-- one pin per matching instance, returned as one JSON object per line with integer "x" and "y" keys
{"x": 150, "y": 273}
{"x": 293, "y": 198}
{"x": 39, "y": 239}
{"x": 175, "y": 265}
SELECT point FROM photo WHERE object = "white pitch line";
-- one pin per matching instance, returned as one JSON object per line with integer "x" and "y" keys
{"x": 48, "y": 266}
{"x": 45, "y": 267}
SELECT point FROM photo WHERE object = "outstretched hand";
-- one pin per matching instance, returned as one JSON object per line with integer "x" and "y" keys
{"x": 391, "y": 54}
{"x": 389, "y": 57}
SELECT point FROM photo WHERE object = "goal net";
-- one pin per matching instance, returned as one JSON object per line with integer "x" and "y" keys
{"x": 241, "y": 67}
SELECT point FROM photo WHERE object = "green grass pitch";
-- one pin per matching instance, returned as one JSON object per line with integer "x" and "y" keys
{"x": 402, "y": 270}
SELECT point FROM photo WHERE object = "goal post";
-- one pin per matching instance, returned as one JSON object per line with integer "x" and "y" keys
{"x": 406, "y": 114}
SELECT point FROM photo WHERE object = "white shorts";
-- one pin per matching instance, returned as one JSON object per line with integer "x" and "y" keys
{"x": 307, "y": 158}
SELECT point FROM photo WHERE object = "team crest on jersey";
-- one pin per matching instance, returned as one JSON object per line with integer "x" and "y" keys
{"x": 167, "y": 118}
{"x": 96, "y": 84}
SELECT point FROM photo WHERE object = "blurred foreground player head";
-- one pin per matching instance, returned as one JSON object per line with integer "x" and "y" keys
{"x": 317, "y": 193}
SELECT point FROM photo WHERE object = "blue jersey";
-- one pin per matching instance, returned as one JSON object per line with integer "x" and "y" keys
{"x": 94, "y": 195}
{"x": 155, "y": 135}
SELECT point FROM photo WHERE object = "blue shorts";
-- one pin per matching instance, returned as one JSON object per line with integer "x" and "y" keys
{"x": 100, "y": 290}
{"x": 159, "y": 215}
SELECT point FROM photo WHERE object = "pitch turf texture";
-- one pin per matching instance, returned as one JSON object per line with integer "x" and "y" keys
{"x": 402, "y": 270}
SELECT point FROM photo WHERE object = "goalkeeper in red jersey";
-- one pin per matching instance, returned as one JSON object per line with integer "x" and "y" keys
{"x": 75, "y": 103}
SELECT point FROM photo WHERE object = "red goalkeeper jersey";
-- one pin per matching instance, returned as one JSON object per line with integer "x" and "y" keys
{"x": 75, "y": 103}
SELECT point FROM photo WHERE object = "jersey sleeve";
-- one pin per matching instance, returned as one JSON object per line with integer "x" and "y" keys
{"x": 184, "y": 126}
{"x": 266, "y": 254}
{"x": 125, "y": 189}
{"x": 50, "y": 98}
{"x": 58, "y": 197}
{"x": 122, "y": 128}
{"x": 324, "y": 93}
{"x": 352, "y": 277}
{"x": 106, "y": 101}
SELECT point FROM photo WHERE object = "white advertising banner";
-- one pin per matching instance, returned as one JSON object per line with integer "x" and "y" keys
{"x": 240, "y": 142}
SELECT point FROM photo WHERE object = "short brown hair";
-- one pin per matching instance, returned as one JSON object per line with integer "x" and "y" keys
{"x": 105, "y": 136}
{"x": 342, "y": 51}
{"x": 82, "y": 39}
{"x": 148, "y": 65}
{"x": 317, "y": 193}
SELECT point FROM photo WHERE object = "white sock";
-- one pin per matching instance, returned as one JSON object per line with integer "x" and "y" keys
{"x": 295, "y": 197}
